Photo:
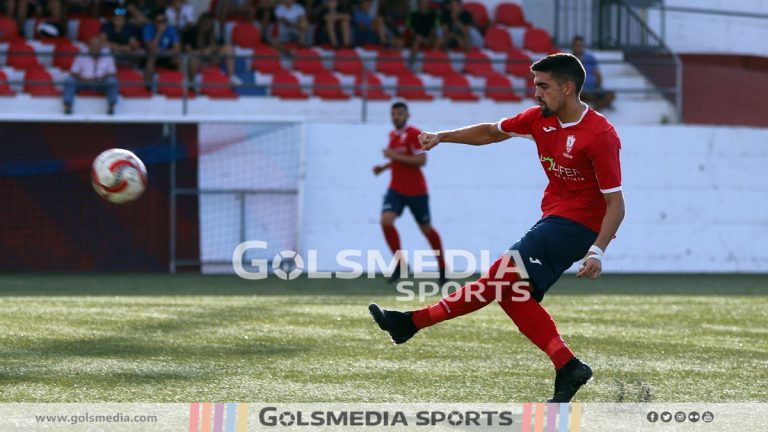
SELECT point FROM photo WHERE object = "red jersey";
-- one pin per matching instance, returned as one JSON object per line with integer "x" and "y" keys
{"x": 581, "y": 160}
{"x": 406, "y": 179}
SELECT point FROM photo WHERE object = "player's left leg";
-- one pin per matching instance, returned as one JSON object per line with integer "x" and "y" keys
{"x": 419, "y": 206}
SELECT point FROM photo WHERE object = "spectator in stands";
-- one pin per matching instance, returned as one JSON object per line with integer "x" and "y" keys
{"x": 592, "y": 92}
{"x": 163, "y": 46}
{"x": 95, "y": 71}
{"x": 201, "y": 41}
{"x": 142, "y": 11}
{"x": 120, "y": 36}
{"x": 291, "y": 23}
{"x": 367, "y": 26}
{"x": 226, "y": 9}
{"x": 457, "y": 30}
{"x": 394, "y": 14}
{"x": 423, "y": 25}
{"x": 180, "y": 14}
{"x": 333, "y": 19}
{"x": 48, "y": 11}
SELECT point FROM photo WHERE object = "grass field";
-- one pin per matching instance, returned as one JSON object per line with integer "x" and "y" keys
{"x": 199, "y": 338}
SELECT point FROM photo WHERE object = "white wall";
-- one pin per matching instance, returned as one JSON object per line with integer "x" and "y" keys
{"x": 697, "y": 197}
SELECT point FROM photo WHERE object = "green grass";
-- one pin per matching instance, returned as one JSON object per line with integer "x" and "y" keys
{"x": 125, "y": 338}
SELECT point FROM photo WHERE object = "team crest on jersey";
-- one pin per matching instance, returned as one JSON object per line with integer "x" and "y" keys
{"x": 569, "y": 146}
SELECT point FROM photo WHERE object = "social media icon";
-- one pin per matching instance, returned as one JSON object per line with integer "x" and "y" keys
{"x": 694, "y": 417}
{"x": 679, "y": 416}
{"x": 653, "y": 416}
{"x": 707, "y": 417}
{"x": 666, "y": 417}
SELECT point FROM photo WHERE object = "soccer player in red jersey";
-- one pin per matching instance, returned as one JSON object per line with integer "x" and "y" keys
{"x": 583, "y": 207}
{"x": 408, "y": 188}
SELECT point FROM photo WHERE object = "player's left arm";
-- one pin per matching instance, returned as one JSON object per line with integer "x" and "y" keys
{"x": 592, "y": 265}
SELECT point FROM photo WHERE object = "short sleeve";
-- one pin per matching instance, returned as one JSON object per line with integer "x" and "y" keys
{"x": 77, "y": 65}
{"x": 604, "y": 153}
{"x": 520, "y": 125}
{"x": 413, "y": 142}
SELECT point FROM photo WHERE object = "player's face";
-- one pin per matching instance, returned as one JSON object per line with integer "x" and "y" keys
{"x": 399, "y": 117}
{"x": 549, "y": 93}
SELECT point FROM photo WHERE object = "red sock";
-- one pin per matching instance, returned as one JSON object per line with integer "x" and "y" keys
{"x": 437, "y": 246}
{"x": 537, "y": 325}
{"x": 469, "y": 298}
{"x": 393, "y": 239}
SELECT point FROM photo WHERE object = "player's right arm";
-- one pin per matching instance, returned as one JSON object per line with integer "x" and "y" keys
{"x": 378, "y": 169}
{"x": 479, "y": 134}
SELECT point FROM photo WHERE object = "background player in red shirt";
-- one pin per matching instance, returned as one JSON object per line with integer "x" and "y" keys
{"x": 408, "y": 188}
{"x": 582, "y": 207}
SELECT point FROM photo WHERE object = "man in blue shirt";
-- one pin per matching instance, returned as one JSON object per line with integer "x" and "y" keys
{"x": 593, "y": 92}
{"x": 163, "y": 45}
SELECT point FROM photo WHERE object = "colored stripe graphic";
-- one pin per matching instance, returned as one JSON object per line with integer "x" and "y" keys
{"x": 564, "y": 413}
{"x": 576, "y": 417}
{"x": 242, "y": 418}
{"x": 218, "y": 417}
{"x": 551, "y": 416}
{"x": 539, "y": 422}
{"x": 206, "y": 417}
{"x": 526, "y": 421}
{"x": 231, "y": 416}
{"x": 194, "y": 417}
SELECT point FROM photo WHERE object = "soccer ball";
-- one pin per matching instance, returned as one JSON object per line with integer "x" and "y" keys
{"x": 118, "y": 176}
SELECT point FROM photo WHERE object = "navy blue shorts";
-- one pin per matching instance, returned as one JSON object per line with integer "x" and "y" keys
{"x": 549, "y": 248}
{"x": 419, "y": 205}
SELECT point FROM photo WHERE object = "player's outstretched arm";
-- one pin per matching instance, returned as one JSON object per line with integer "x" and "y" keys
{"x": 592, "y": 265}
{"x": 479, "y": 134}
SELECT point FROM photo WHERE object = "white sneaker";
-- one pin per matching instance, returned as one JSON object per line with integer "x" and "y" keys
{"x": 235, "y": 80}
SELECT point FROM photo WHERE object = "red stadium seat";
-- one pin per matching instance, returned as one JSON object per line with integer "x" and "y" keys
{"x": 437, "y": 63}
{"x": 5, "y": 89}
{"x": 38, "y": 82}
{"x": 375, "y": 91}
{"x": 22, "y": 56}
{"x": 88, "y": 28}
{"x": 498, "y": 39}
{"x": 170, "y": 83}
{"x": 391, "y": 63}
{"x": 499, "y": 88}
{"x": 518, "y": 63}
{"x": 285, "y": 85}
{"x": 64, "y": 54}
{"x": 479, "y": 14}
{"x": 246, "y": 35}
{"x": 327, "y": 86}
{"x": 216, "y": 84}
{"x": 9, "y": 31}
{"x": 348, "y": 61}
{"x": 538, "y": 41}
{"x": 477, "y": 63}
{"x": 511, "y": 14}
{"x": 308, "y": 61}
{"x": 456, "y": 87}
{"x": 411, "y": 87}
{"x": 266, "y": 60}
{"x": 131, "y": 84}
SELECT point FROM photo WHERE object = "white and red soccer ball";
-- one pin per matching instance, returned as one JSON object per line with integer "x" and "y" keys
{"x": 118, "y": 176}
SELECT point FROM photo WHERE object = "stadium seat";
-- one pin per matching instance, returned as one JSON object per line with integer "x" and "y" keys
{"x": 328, "y": 86}
{"x": 511, "y": 14}
{"x": 518, "y": 63}
{"x": 375, "y": 90}
{"x": 478, "y": 63}
{"x": 479, "y": 14}
{"x": 246, "y": 35}
{"x": 500, "y": 88}
{"x": 216, "y": 84}
{"x": 391, "y": 63}
{"x": 88, "y": 28}
{"x": 266, "y": 60}
{"x": 22, "y": 56}
{"x": 498, "y": 39}
{"x": 410, "y": 86}
{"x": 308, "y": 61}
{"x": 537, "y": 40}
{"x": 437, "y": 63}
{"x": 131, "y": 84}
{"x": 38, "y": 82}
{"x": 5, "y": 89}
{"x": 170, "y": 83}
{"x": 64, "y": 54}
{"x": 9, "y": 31}
{"x": 347, "y": 61}
{"x": 456, "y": 87}
{"x": 285, "y": 85}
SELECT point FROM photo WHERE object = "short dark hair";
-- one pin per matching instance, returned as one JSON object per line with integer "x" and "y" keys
{"x": 400, "y": 105}
{"x": 563, "y": 67}
{"x": 577, "y": 38}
